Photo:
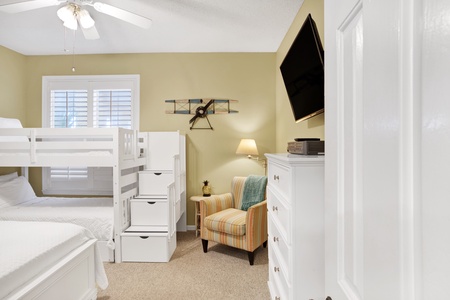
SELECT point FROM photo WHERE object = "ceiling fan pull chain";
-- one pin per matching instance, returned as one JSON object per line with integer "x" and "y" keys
{"x": 73, "y": 51}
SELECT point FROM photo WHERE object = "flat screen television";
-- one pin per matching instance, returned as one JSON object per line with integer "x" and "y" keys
{"x": 303, "y": 72}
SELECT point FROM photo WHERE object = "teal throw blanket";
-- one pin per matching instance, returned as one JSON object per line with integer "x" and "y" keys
{"x": 254, "y": 191}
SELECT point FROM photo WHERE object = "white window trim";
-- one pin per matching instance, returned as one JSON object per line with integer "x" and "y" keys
{"x": 49, "y": 82}
{"x": 54, "y": 82}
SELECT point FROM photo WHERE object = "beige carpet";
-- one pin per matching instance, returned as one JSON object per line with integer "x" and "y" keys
{"x": 222, "y": 273}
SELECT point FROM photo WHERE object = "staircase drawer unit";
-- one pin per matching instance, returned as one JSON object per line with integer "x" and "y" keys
{"x": 149, "y": 211}
{"x": 154, "y": 182}
{"x": 147, "y": 247}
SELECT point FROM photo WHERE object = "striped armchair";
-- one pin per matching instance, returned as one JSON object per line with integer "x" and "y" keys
{"x": 223, "y": 221}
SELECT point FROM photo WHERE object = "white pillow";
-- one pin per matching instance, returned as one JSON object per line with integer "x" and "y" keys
{"x": 15, "y": 191}
{"x": 11, "y": 123}
{"x": 8, "y": 177}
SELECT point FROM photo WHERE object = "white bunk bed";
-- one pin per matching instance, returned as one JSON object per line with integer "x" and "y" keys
{"x": 18, "y": 202}
{"x": 43, "y": 260}
{"x": 88, "y": 147}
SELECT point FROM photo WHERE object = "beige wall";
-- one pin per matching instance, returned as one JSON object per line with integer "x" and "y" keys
{"x": 210, "y": 153}
{"x": 252, "y": 78}
{"x": 12, "y": 84}
{"x": 286, "y": 128}
{"x": 12, "y": 89}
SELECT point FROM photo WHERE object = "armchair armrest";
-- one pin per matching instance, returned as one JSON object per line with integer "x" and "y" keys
{"x": 256, "y": 225}
{"x": 215, "y": 203}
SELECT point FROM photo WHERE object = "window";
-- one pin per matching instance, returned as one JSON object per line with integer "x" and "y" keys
{"x": 87, "y": 101}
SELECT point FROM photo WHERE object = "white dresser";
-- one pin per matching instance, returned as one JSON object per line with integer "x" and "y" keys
{"x": 296, "y": 226}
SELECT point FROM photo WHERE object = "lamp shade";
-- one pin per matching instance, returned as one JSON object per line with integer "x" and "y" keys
{"x": 247, "y": 147}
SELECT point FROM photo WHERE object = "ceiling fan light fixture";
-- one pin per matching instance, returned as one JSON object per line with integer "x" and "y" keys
{"x": 71, "y": 23}
{"x": 68, "y": 16}
{"x": 85, "y": 19}
{"x": 65, "y": 12}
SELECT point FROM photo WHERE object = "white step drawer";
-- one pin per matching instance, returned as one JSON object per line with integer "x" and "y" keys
{"x": 147, "y": 247}
{"x": 149, "y": 212}
{"x": 154, "y": 183}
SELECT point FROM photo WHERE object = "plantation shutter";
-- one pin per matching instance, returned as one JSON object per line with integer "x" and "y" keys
{"x": 112, "y": 108}
{"x": 68, "y": 108}
{"x": 101, "y": 102}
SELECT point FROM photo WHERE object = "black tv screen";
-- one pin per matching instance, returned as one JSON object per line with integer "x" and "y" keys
{"x": 303, "y": 72}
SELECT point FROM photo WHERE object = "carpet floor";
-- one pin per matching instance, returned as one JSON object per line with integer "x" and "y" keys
{"x": 222, "y": 273}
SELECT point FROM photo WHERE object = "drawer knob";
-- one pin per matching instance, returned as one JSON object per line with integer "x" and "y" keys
{"x": 277, "y": 298}
{"x": 276, "y": 269}
{"x": 276, "y": 177}
{"x": 275, "y": 239}
{"x": 274, "y": 208}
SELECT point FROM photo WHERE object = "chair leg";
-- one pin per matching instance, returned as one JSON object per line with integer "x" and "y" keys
{"x": 205, "y": 245}
{"x": 265, "y": 244}
{"x": 251, "y": 257}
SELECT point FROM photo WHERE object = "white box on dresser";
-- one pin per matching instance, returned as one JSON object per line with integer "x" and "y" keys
{"x": 296, "y": 226}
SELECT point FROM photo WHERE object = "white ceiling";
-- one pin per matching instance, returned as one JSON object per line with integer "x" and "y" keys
{"x": 178, "y": 26}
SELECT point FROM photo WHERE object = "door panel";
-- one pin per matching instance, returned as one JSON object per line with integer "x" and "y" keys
{"x": 349, "y": 197}
{"x": 362, "y": 155}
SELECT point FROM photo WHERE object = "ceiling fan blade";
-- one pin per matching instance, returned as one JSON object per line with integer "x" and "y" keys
{"x": 123, "y": 15}
{"x": 90, "y": 33}
{"x": 28, "y": 5}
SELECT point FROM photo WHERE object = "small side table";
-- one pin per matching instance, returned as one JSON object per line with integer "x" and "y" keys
{"x": 196, "y": 200}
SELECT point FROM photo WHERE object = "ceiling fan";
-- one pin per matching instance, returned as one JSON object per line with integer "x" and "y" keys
{"x": 72, "y": 13}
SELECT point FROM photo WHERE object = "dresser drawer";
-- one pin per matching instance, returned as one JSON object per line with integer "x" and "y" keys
{"x": 154, "y": 183}
{"x": 277, "y": 278}
{"x": 279, "y": 179}
{"x": 275, "y": 293}
{"x": 149, "y": 212}
{"x": 279, "y": 246}
{"x": 280, "y": 214}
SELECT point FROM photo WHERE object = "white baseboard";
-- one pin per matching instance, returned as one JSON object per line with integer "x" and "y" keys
{"x": 190, "y": 227}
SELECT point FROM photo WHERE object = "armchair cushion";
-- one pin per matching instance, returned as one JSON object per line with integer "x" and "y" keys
{"x": 230, "y": 221}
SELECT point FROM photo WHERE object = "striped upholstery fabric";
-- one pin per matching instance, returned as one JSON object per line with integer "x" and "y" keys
{"x": 218, "y": 212}
{"x": 231, "y": 221}
{"x": 237, "y": 189}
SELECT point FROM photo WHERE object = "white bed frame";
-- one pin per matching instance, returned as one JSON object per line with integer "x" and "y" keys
{"x": 91, "y": 147}
{"x": 73, "y": 277}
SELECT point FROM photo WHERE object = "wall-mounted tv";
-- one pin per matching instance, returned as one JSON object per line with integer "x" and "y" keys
{"x": 303, "y": 72}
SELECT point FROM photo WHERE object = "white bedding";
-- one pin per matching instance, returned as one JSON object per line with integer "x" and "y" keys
{"x": 28, "y": 248}
{"x": 95, "y": 214}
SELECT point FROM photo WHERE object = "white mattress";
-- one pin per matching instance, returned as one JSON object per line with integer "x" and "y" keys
{"x": 29, "y": 248}
{"x": 95, "y": 214}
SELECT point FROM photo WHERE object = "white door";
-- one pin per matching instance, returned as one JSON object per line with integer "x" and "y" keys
{"x": 387, "y": 196}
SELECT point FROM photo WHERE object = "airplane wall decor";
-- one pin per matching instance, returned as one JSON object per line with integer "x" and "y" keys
{"x": 200, "y": 108}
